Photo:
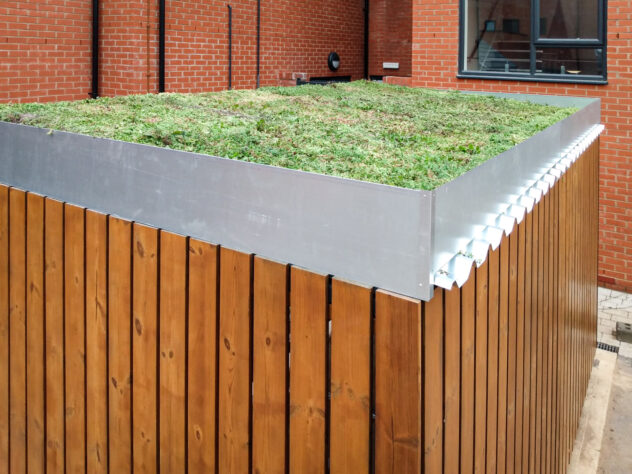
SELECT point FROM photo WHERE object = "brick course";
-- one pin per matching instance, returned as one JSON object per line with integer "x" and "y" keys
{"x": 390, "y": 39}
{"x": 45, "y": 50}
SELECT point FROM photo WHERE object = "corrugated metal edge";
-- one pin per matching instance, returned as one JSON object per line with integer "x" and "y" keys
{"x": 459, "y": 267}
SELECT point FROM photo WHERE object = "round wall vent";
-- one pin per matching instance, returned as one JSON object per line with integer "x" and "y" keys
{"x": 333, "y": 61}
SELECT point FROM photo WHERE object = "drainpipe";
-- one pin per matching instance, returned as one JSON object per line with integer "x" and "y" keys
{"x": 366, "y": 39}
{"x": 230, "y": 47}
{"x": 258, "y": 40}
{"x": 94, "y": 93}
{"x": 161, "y": 46}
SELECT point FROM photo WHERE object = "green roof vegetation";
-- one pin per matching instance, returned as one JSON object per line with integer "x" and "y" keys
{"x": 413, "y": 138}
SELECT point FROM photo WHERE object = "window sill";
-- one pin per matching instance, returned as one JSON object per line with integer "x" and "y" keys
{"x": 528, "y": 78}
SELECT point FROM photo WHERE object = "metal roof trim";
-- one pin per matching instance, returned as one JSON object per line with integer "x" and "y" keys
{"x": 456, "y": 271}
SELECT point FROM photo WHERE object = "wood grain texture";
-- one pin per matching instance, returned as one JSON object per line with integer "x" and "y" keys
{"x": 144, "y": 348}
{"x": 74, "y": 309}
{"x": 540, "y": 316}
{"x": 232, "y": 356}
{"x": 4, "y": 330}
{"x": 54, "y": 284}
{"x": 535, "y": 250}
{"x": 308, "y": 371}
{"x": 521, "y": 348}
{"x": 468, "y": 372}
{"x": 270, "y": 356}
{"x": 234, "y": 361}
{"x": 493, "y": 298}
{"x": 452, "y": 381}
{"x": 562, "y": 321}
{"x": 433, "y": 359}
{"x": 512, "y": 344}
{"x": 119, "y": 344}
{"x": 172, "y": 350}
{"x": 350, "y": 377}
{"x": 35, "y": 388}
{"x": 547, "y": 333}
{"x": 202, "y": 368}
{"x": 17, "y": 330}
{"x": 480, "y": 362}
{"x": 503, "y": 331}
{"x": 529, "y": 318}
{"x": 96, "y": 343}
{"x": 398, "y": 384}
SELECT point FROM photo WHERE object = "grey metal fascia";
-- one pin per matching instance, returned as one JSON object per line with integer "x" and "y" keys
{"x": 369, "y": 233}
{"x": 473, "y": 211}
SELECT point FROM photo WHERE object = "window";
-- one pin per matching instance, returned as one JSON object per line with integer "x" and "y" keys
{"x": 537, "y": 40}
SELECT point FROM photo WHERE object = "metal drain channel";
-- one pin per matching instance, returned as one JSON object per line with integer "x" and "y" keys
{"x": 607, "y": 347}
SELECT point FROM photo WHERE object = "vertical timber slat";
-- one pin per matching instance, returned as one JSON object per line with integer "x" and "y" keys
{"x": 119, "y": 345}
{"x": 308, "y": 371}
{"x": 234, "y": 361}
{"x": 398, "y": 384}
{"x": 202, "y": 356}
{"x": 492, "y": 351}
{"x": 54, "y": 289}
{"x": 74, "y": 337}
{"x": 144, "y": 347}
{"x": 4, "y": 330}
{"x": 452, "y": 378}
{"x": 503, "y": 329}
{"x": 468, "y": 371}
{"x": 17, "y": 330}
{"x": 172, "y": 352}
{"x": 270, "y": 295}
{"x": 35, "y": 333}
{"x": 96, "y": 343}
{"x": 433, "y": 360}
{"x": 350, "y": 377}
{"x": 511, "y": 350}
{"x": 480, "y": 362}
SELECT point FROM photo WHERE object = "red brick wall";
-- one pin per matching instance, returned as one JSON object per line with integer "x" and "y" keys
{"x": 45, "y": 50}
{"x": 45, "y": 46}
{"x": 390, "y": 36}
{"x": 435, "y": 53}
{"x": 128, "y": 47}
{"x": 298, "y": 37}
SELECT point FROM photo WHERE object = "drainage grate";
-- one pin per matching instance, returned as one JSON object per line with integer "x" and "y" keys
{"x": 607, "y": 347}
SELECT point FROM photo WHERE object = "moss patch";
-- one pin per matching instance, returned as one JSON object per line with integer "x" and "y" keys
{"x": 413, "y": 138}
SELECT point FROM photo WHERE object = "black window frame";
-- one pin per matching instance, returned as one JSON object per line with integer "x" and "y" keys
{"x": 537, "y": 42}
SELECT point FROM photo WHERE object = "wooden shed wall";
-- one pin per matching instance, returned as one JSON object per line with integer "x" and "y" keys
{"x": 127, "y": 347}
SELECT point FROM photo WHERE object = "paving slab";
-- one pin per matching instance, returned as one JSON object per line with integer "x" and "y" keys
{"x": 614, "y": 306}
{"x": 616, "y": 455}
{"x": 588, "y": 442}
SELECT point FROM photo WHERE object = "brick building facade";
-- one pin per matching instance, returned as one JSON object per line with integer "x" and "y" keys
{"x": 46, "y": 54}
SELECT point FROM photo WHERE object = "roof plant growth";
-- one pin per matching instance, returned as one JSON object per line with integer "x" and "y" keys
{"x": 413, "y": 138}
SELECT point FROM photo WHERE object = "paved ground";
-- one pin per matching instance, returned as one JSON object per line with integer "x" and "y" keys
{"x": 613, "y": 306}
{"x": 605, "y": 428}
{"x": 616, "y": 455}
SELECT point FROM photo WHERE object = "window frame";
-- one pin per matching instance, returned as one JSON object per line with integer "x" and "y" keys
{"x": 537, "y": 42}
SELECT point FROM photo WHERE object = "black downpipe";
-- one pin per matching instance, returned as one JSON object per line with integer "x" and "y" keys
{"x": 230, "y": 47}
{"x": 161, "y": 46}
{"x": 258, "y": 40}
{"x": 366, "y": 39}
{"x": 95, "y": 49}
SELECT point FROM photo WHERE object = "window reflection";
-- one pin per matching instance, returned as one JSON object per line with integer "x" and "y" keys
{"x": 569, "y": 19}
{"x": 498, "y": 35}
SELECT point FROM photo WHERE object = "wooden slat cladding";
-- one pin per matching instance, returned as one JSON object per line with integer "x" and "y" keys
{"x": 124, "y": 347}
